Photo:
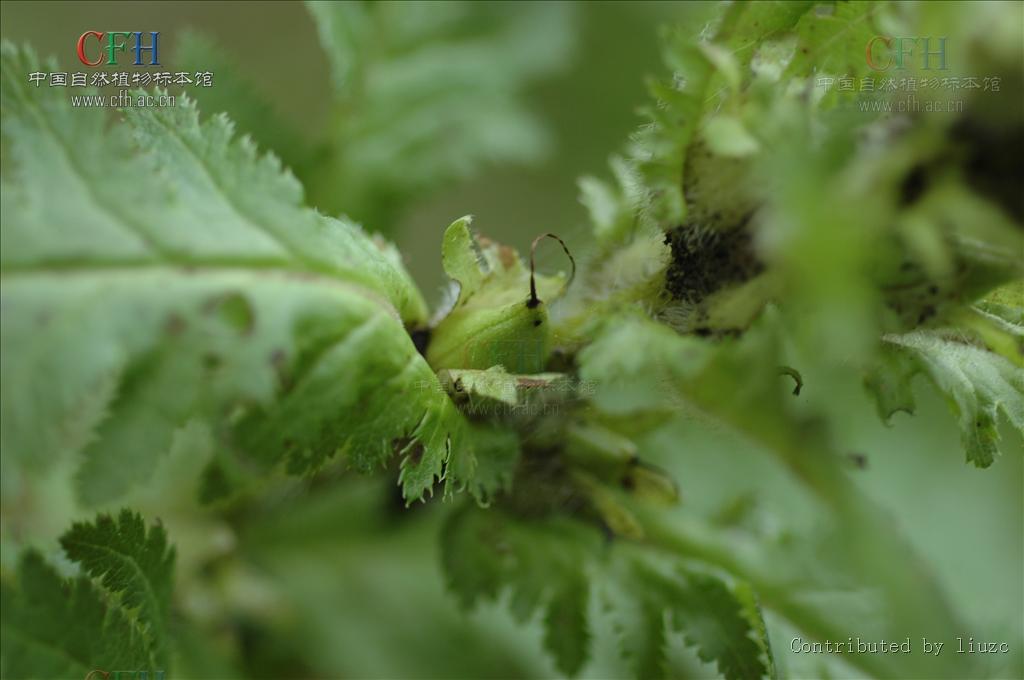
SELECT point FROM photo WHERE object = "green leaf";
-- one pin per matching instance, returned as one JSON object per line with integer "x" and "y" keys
{"x": 755, "y": 617}
{"x": 831, "y": 39}
{"x": 473, "y": 570}
{"x": 639, "y": 622}
{"x": 497, "y": 454}
{"x": 712, "y": 619}
{"x": 998, "y": 319}
{"x": 1007, "y": 302}
{"x": 188, "y": 281}
{"x": 252, "y": 200}
{"x": 566, "y": 634}
{"x": 131, "y": 562}
{"x": 118, "y": 619}
{"x": 183, "y": 193}
{"x": 978, "y": 385}
{"x": 541, "y": 565}
{"x": 889, "y": 381}
{"x": 52, "y": 628}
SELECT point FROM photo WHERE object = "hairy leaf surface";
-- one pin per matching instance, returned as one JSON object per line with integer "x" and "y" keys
{"x": 191, "y": 282}
{"x": 978, "y": 385}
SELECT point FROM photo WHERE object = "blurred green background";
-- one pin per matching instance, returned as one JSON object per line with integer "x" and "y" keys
{"x": 369, "y": 600}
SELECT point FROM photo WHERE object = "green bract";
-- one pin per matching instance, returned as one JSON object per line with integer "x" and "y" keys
{"x": 495, "y": 321}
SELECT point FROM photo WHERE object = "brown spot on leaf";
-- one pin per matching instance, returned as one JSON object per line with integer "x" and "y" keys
{"x": 174, "y": 325}
{"x": 279, "y": 362}
{"x": 859, "y": 460}
{"x": 507, "y": 255}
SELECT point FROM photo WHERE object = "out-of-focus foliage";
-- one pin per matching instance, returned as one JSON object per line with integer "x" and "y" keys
{"x": 873, "y": 223}
{"x": 557, "y": 565}
{"x": 979, "y": 384}
{"x": 55, "y": 627}
{"x": 422, "y": 95}
{"x": 649, "y": 494}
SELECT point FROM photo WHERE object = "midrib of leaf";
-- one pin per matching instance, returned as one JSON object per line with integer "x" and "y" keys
{"x": 154, "y": 603}
{"x": 47, "y": 646}
{"x": 75, "y": 264}
{"x": 187, "y": 269}
{"x": 134, "y": 622}
{"x": 147, "y": 268}
{"x": 82, "y": 177}
{"x": 308, "y": 262}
